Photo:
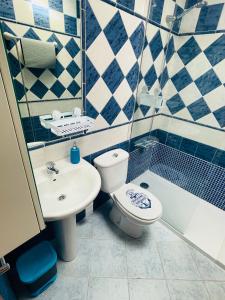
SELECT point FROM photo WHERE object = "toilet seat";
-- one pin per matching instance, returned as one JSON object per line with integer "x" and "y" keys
{"x": 138, "y": 203}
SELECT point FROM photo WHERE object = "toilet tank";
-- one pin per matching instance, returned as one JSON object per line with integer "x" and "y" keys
{"x": 112, "y": 167}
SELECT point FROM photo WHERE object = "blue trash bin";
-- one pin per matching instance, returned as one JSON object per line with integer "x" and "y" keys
{"x": 37, "y": 268}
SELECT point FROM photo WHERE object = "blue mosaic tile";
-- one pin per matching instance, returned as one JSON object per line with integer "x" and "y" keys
{"x": 58, "y": 89}
{"x": 115, "y": 33}
{"x": 181, "y": 79}
{"x": 198, "y": 109}
{"x": 132, "y": 77}
{"x": 136, "y": 39}
{"x": 111, "y": 111}
{"x": 70, "y": 25}
{"x": 56, "y": 5}
{"x": 175, "y": 104}
{"x": 220, "y": 116}
{"x": 5, "y": 28}
{"x": 127, "y": 3}
{"x": 129, "y": 107}
{"x": 92, "y": 26}
{"x": 39, "y": 89}
{"x": 189, "y": 51}
{"x": 41, "y": 16}
{"x": 36, "y": 71}
{"x": 207, "y": 82}
{"x": 178, "y": 10}
{"x": 113, "y": 76}
{"x": 91, "y": 75}
{"x": 73, "y": 88}
{"x": 205, "y": 21}
{"x": 164, "y": 78}
{"x": 150, "y": 77}
{"x": 156, "y": 45}
{"x": 215, "y": 52}
{"x": 7, "y": 9}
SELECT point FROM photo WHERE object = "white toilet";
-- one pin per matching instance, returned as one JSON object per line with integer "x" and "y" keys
{"x": 133, "y": 206}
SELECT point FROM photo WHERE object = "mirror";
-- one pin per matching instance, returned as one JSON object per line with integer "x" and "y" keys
{"x": 42, "y": 90}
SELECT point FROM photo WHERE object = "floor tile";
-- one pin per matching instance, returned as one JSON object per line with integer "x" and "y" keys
{"x": 66, "y": 289}
{"x": 187, "y": 290}
{"x": 80, "y": 266}
{"x": 85, "y": 228}
{"x": 160, "y": 233}
{"x": 207, "y": 268}
{"x": 145, "y": 289}
{"x": 216, "y": 290}
{"x": 143, "y": 260}
{"x": 178, "y": 262}
{"x": 108, "y": 259}
{"x": 108, "y": 288}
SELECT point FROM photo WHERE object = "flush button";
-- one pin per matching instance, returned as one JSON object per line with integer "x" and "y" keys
{"x": 115, "y": 155}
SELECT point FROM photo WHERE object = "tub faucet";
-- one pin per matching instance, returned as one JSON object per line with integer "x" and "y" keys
{"x": 51, "y": 169}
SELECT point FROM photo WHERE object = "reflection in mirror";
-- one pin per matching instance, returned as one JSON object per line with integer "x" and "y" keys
{"x": 45, "y": 65}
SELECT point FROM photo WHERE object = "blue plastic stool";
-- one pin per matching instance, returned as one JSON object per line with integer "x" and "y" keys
{"x": 37, "y": 268}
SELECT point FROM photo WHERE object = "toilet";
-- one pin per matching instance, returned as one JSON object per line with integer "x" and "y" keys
{"x": 133, "y": 207}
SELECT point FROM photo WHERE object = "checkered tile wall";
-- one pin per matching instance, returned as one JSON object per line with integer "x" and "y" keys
{"x": 195, "y": 81}
{"x": 114, "y": 40}
{"x": 56, "y": 15}
{"x": 211, "y": 17}
{"x": 62, "y": 82}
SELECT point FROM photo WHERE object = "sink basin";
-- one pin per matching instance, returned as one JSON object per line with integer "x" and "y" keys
{"x": 65, "y": 194}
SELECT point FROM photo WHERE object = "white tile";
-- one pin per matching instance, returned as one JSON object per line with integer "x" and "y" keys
{"x": 143, "y": 289}
{"x": 219, "y": 70}
{"x": 69, "y": 8}
{"x": 187, "y": 290}
{"x": 205, "y": 40}
{"x": 99, "y": 95}
{"x": 56, "y": 20}
{"x": 190, "y": 94}
{"x": 100, "y": 53}
{"x": 123, "y": 93}
{"x": 168, "y": 9}
{"x": 189, "y": 22}
{"x": 120, "y": 119}
{"x": 130, "y": 22}
{"x": 103, "y": 12}
{"x": 198, "y": 66}
{"x": 23, "y": 11}
{"x": 216, "y": 290}
{"x": 126, "y": 58}
{"x": 112, "y": 289}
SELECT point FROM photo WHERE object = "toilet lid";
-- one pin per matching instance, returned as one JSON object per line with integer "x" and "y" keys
{"x": 139, "y": 202}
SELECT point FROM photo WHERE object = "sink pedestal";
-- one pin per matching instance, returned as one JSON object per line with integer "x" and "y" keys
{"x": 65, "y": 232}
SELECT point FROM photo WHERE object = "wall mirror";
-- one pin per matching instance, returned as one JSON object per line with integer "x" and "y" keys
{"x": 42, "y": 88}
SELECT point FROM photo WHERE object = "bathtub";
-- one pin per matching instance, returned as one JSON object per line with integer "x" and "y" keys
{"x": 198, "y": 221}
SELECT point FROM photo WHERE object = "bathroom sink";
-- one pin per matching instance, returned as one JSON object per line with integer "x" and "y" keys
{"x": 65, "y": 194}
{"x": 68, "y": 192}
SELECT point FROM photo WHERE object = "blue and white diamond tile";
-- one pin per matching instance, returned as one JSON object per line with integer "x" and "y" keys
{"x": 115, "y": 65}
{"x": 62, "y": 82}
{"x": 196, "y": 89}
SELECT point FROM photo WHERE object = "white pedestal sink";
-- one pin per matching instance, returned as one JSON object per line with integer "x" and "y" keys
{"x": 64, "y": 195}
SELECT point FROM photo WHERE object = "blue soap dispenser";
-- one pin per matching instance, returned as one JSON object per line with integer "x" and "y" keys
{"x": 75, "y": 154}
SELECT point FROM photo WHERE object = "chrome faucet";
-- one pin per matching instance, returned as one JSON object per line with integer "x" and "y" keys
{"x": 51, "y": 169}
